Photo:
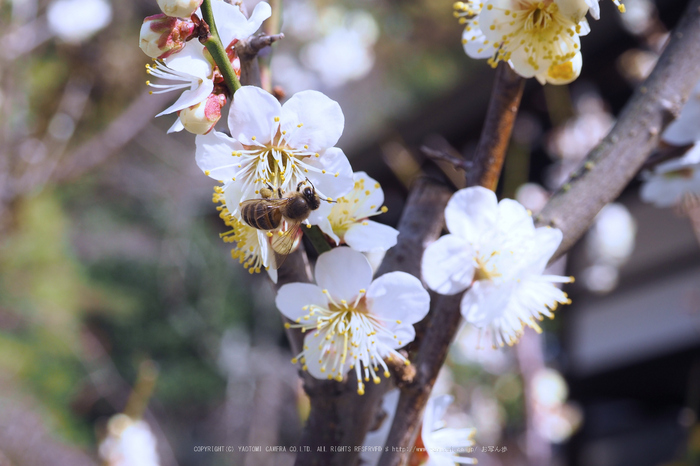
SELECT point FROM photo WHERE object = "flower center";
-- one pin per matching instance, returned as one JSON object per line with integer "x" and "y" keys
{"x": 538, "y": 17}
{"x": 540, "y": 30}
{"x": 486, "y": 268}
{"x": 348, "y": 333}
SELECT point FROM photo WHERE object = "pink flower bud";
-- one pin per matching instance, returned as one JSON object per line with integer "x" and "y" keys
{"x": 161, "y": 35}
{"x": 201, "y": 118}
{"x": 179, "y": 8}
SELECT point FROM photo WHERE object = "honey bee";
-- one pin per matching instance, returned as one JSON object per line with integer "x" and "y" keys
{"x": 281, "y": 216}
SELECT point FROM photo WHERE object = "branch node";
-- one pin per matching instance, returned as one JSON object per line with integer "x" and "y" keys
{"x": 249, "y": 49}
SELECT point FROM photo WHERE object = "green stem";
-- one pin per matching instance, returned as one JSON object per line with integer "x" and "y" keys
{"x": 217, "y": 50}
{"x": 317, "y": 239}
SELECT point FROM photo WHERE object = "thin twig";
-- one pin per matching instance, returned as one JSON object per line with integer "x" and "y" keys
{"x": 495, "y": 136}
{"x": 444, "y": 156}
{"x": 615, "y": 161}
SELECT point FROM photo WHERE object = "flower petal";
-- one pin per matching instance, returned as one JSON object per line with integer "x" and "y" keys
{"x": 214, "y": 155}
{"x": 190, "y": 60}
{"x": 188, "y": 98}
{"x": 473, "y": 42}
{"x": 547, "y": 241}
{"x": 320, "y": 217}
{"x": 232, "y": 24}
{"x": 319, "y": 350}
{"x": 485, "y": 302}
{"x": 292, "y": 298}
{"x": 321, "y": 121}
{"x": 370, "y": 236}
{"x": 374, "y": 195}
{"x": 471, "y": 212}
{"x": 251, "y": 118}
{"x": 398, "y": 296}
{"x": 343, "y": 272}
{"x": 401, "y": 335}
{"x": 448, "y": 265}
{"x": 176, "y": 127}
{"x": 333, "y": 161}
{"x": 234, "y": 195}
{"x": 514, "y": 219}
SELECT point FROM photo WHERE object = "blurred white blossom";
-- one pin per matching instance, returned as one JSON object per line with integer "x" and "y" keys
{"x": 129, "y": 442}
{"x": 76, "y": 20}
{"x": 445, "y": 446}
{"x": 674, "y": 181}
{"x": 337, "y": 43}
{"x": 554, "y": 419}
{"x": 686, "y": 128}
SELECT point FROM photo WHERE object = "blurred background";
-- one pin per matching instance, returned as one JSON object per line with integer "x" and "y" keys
{"x": 117, "y": 296}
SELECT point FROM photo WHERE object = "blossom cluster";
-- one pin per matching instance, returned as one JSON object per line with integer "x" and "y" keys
{"x": 183, "y": 63}
{"x": 495, "y": 251}
{"x": 279, "y": 167}
{"x": 538, "y": 38}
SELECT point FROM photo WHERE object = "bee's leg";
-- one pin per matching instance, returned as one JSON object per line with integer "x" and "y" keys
{"x": 267, "y": 192}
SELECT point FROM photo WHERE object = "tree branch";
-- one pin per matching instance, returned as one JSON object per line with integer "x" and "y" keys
{"x": 339, "y": 416}
{"x": 615, "y": 161}
{"x": 442, "y": 322}
{"x": 503, "y": 107}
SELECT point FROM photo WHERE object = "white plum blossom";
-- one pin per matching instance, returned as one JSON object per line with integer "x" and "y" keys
{"x": 496, "y": 249}
{"x": 673, "y": 182}
{"x": 278, "y": 145}
{"x": 537, "y": 38}
{"x": 191, "y": 69}
{"x": 686, "y": 128}
{"x": 350, "y": 321}
{"x": 251, "y": 246}
{"x": 442, "y": 442}
{"x": 129, "y": 442}
{"x": 348, "y": 221}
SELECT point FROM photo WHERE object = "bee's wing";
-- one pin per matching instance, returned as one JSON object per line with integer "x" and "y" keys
{"x": 283, "y": 241}
{"x": 268, "y": 207}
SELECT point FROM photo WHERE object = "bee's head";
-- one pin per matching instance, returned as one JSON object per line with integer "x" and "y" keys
{"x": 311, "y": 197}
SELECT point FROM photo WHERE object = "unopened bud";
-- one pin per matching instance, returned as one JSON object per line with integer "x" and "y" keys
{"x": 179, "y": 8}
{"x": 201, "y": 118}
{"x": 161, "y": 35}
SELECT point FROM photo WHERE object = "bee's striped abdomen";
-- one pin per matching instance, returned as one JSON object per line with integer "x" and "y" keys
{"x": 261, "y": 215}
